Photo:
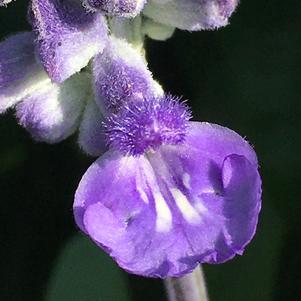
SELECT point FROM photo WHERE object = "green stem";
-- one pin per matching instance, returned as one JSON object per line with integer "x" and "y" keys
{"x": 190, "y": 287}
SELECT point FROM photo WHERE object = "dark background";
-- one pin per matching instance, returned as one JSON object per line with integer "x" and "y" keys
{"x": 246, "y": 77}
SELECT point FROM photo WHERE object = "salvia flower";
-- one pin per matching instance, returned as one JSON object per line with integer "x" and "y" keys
{"x": 169, "y": 193}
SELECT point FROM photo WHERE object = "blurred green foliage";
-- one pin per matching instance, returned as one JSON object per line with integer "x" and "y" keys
{"x": 84, "y": 273}
{"x": 246, "y": 77}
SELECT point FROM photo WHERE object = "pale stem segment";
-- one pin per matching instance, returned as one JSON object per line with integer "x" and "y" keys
{"x": 190, "y": 287}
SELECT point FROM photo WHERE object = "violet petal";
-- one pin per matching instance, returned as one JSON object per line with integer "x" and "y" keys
{"x": 67, "y": 36}
{"x": 161, "y": 214}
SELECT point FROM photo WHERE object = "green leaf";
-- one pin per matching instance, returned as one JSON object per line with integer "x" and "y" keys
{"x": 85, "y": 273}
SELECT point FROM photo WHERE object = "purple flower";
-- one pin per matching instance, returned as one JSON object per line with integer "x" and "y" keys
{"x": 169, "y": 193}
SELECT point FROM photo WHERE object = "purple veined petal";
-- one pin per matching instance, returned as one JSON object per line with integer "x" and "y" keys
{"x": 121, "y": 75}
{"x": 20, "y": 74}
{"x": 53, "y": 113}
{"x": 191, "y": 14}
{"x": 67, "y": 36}
{"x": 110, "y": 198}
{"x": 91, "y": 132}
{"x": 121, "y": 8}
{"x": 161, "y": 214}
{"x": 216, "y": 171}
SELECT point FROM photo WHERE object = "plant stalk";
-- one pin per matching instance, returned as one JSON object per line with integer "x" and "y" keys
{"x": 191, "y": 287}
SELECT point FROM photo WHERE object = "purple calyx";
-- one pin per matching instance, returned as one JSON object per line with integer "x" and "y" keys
{"x": 144, "y": 125}
{"x": 119, "y": 84}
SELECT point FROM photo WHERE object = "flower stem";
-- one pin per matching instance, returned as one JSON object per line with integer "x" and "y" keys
{"x": 190, "y": 287}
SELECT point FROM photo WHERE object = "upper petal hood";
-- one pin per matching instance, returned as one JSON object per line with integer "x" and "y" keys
{"x": 121, "y": 75}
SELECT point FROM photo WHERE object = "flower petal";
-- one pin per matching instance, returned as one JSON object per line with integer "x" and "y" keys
{"x": 53, "y": 113}
{"x": 91, "y": 132}
{"x": 20, "y": 74}
{"x": 67, "y": 36}
{"x": 112, "y": 205}
{"x": 121, "y": 75}
{"x": 191, "y": 14}
{"x": 161, "y": 214}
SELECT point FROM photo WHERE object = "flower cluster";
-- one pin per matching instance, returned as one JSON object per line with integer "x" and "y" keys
{"x": 166, "y": 193}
